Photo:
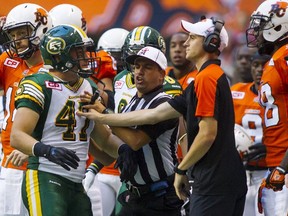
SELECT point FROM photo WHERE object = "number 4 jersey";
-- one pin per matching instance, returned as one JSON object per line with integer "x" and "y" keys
{"x": 58, "y": 125}
{"x": 11, "y": 72}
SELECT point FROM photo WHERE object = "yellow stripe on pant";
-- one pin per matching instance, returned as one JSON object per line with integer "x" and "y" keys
{"x": 32, "y": 188}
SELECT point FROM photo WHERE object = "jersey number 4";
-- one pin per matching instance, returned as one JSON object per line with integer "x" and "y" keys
{"x": 66, "y": 118}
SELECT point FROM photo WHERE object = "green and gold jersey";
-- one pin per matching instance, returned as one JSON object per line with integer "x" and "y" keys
{"x": 125, "y": 89}
{"x": 56, "y": 102}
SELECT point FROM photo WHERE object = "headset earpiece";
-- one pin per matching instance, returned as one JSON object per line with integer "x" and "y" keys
{"x": 212, "y": 41}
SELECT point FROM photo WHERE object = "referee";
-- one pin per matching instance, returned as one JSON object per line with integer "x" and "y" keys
{"x": 150, "y": 191}
{"x": 219, "y": 186}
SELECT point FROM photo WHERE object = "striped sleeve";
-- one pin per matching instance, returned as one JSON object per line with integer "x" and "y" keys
{"x": 30, "y": 94}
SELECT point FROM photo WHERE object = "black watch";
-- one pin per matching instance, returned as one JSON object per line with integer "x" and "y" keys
{"x": 107, "y": 111}
{"x": 179, "y": 171}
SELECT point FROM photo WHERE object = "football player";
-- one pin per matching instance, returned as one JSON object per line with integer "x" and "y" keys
{"x": 268, "y": 31}
{"x": 24, "y": 27}
{"x": 112, "y": 41}
{"x": 47, "y": 129}
{"x": 249, "y": 114}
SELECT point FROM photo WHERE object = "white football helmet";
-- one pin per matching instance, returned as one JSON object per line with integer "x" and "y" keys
{"x": 68, "y": 14}
{"x": 270, "y": 20}
{"x": 112, "y": 39}
{"x": 112, "y": 42}
{"x": 242, "y": 139}
{"x": 37, "y": 20}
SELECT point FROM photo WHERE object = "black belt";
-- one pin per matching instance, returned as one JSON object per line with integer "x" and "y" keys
{"x": 151, "y": 188}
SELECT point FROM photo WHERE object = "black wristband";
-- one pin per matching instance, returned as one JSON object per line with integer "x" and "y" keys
{"x": 105, "y": 111}
{"x": 41, "y": 150}
{"x": 95, "y": 167}
{"x": 123, "y": 148}
{"x": 179, "y": 171}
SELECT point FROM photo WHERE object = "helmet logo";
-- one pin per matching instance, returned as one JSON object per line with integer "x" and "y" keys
{"x": 162, "y": 44}
{"x": 55, "y": 45}
{"x": 279, "y": 8}
{"x": 41, "y": 16}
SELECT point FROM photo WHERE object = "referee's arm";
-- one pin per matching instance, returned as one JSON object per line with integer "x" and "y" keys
{"x": 135, "y": 138}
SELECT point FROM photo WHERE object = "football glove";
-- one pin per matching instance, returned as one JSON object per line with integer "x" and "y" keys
{"x": 90, "y": 174}
{"x": 61, "y": 156}
{"x": 276, "y": 179}
{"x": 127, "y": 162}
{"x": 256, "y": 152}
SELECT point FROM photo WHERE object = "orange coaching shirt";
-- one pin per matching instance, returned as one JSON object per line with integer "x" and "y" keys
{"x": 11, "y": 72}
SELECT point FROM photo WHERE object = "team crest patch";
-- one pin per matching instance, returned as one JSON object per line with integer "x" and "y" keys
{"x": 20, "y": 90}
{"x": 11, "y": 63}
{"x": 238, "y": 95}
{"x": 118, "y": 84}
{"x": 53, "y": 85}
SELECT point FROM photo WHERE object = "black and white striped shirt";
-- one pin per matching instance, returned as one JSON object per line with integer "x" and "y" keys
{"x": 157, "y": 158}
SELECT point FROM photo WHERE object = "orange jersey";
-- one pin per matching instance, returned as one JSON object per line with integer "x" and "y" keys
{"x": 185, "y": 80}
{"x": 11, "y": 72}
{"x": 248, "y": 113}
{"x": 274, "y": 99}
{"x": 108, "y": 68}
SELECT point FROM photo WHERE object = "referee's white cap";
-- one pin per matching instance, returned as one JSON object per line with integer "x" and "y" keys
{"x": 151, "y": 53}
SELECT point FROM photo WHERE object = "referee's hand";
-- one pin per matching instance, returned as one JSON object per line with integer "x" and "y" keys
{"x": 182, "y": 186}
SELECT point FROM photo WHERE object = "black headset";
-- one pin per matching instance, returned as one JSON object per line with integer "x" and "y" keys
{"x": 212, "y": 41}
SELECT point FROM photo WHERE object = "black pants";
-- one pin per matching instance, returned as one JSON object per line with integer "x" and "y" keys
{"x": 150, "y": 204}
{"x": 224, "y": 205}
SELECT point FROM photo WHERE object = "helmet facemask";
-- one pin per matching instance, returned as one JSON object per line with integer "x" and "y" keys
{"x": 258, "y": 24}
{"x": 82, "y": 59}
{"x": 254, "y": 34}
{"x": 28, "y": 32}
{"x": 130, "y": 50}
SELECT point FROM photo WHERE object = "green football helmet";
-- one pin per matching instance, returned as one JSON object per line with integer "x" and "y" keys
{"x": 140, "y": 37}
{"x": 56, "y": 47}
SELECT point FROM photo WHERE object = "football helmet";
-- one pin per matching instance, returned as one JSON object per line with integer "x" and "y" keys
{"x": 68, "y": 14}
{"x": 112, "y": 41}
{"x": 56, "y": 47}
{"x": 140, "y": 37}
{"x": 268, "y": 25}
{"x": 37, "y": 21}
{"x": 242, "y": 139}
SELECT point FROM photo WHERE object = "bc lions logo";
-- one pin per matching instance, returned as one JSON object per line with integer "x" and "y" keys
{"x": 41, "y": 16}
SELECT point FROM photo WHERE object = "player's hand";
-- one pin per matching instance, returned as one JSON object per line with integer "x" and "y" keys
{"x": 17, "y": 158}
{"x": 90, "y": 174}
{"x": 259, "y": 203}
{"x": 61, "y": 156}
{"x": 127, "y": 162}
{"x": 256, "y": 152}
{"x": 182, "y": 186}
{"x": 276, "y": 179}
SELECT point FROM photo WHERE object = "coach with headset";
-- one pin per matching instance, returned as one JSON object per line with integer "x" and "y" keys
{"x": 219, "y": 177}
{"x": 219, "y": 186}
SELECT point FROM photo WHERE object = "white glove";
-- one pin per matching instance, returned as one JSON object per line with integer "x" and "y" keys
{"x": 88, "y": 180}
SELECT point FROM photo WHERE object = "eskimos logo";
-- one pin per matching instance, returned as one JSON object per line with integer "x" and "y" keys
{"x": 55, "y": 45}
